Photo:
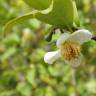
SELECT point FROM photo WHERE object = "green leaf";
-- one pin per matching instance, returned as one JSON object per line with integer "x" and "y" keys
{"x": 91, "y": 86}
{"x": 8, "y": 53}
{"x": 40, "y": 91}
{"x": 61, "y": 15}
{"x": 12, "y": 39}
{"x": 38, "y": 4}
{"x": 31, "y": 77}
{"x": 50, "y": 91}
{"x": 76, "y": 17}
{"x": 17, "y": 20}
{"x": 24, "y": 89}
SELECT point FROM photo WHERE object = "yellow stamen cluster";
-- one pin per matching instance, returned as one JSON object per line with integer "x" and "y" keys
{"x": 70, "y": 50}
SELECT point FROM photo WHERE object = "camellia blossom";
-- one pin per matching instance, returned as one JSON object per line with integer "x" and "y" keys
{"x": 69, "y": 47}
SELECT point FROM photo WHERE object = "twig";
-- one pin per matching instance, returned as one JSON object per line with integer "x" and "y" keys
{"x": 74, "y": 77}
{"x": 94, "y": 38}
{"x": 48, "y": 37}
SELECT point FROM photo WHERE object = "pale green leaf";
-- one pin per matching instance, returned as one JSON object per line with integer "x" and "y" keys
{"x": 61, "y": 15}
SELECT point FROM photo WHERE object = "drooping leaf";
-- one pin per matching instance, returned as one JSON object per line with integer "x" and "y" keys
{"x": 60, "y": 13}
{"x": 38, "y": 4}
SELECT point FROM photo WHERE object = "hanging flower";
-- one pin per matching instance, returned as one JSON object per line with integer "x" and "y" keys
{"x": 69, "y": 47}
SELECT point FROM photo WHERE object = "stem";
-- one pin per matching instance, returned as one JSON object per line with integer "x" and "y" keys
{"x": 94, "y": 38}
{"x": 74, "y": 82}
{"x": 48, "y": 37}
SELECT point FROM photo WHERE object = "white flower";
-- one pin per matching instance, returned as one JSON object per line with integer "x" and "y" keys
{"x": 69, "y": 47}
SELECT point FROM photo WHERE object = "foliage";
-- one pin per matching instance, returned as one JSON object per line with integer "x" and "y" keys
{"x": 23, "y": 71}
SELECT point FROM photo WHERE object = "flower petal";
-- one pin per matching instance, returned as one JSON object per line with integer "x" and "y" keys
{"x": 51, "y": 57}
{"x": 75, "y": 62}
{"x": 62, "y": 39}
{"x": 81, "y": 36}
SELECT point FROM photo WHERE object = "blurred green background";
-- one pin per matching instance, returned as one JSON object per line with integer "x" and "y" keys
{"x": 22, "y": 69}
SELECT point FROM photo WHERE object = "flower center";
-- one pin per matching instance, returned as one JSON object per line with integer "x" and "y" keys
{"x": 70, "y": 50}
